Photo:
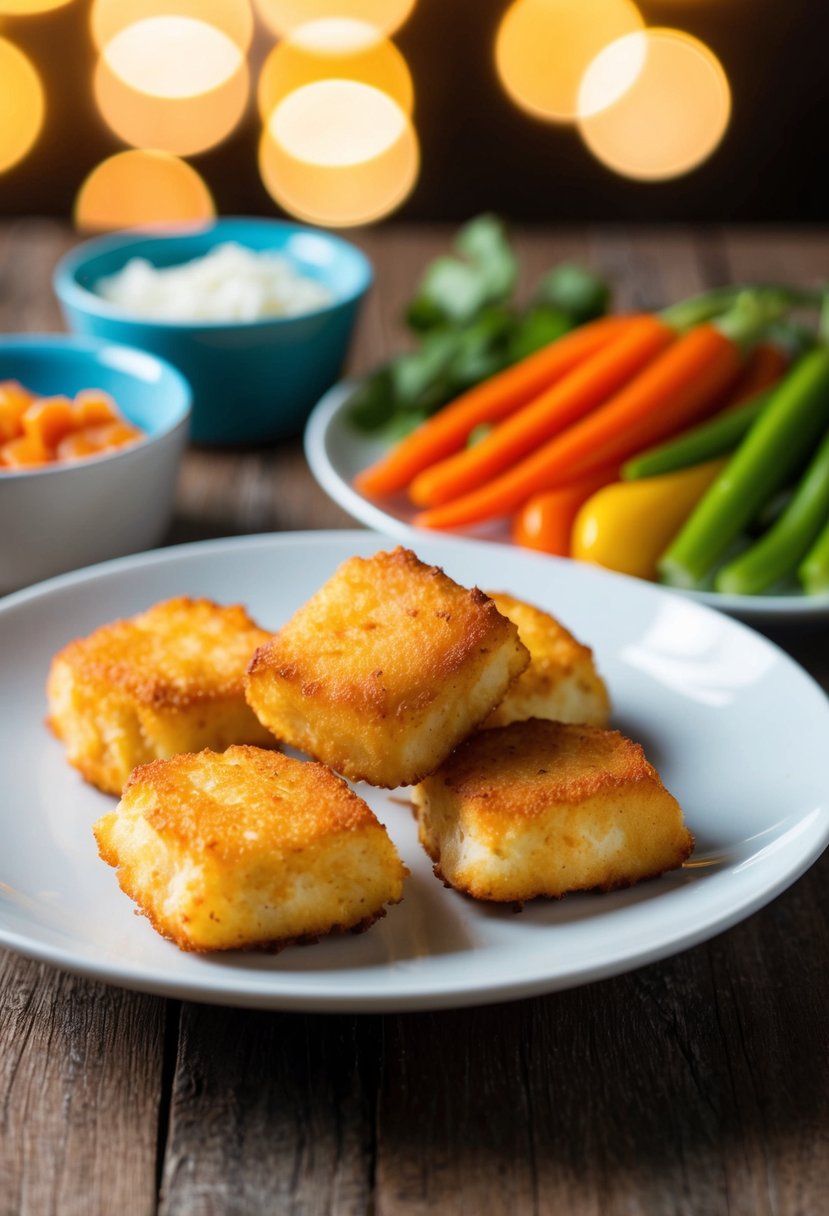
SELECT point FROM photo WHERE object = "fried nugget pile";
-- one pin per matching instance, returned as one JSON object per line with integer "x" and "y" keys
{"x": 392, "y": 674}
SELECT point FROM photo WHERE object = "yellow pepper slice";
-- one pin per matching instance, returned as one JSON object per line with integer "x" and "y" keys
{"x": 627, "y": 526}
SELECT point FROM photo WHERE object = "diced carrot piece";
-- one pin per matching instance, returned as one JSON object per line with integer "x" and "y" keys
{"x": 14, "y": 399}
{"x": 24, "y": 452}
{"x": 92, "y": 406}
{"x": 112, "y": 435}
{"x": 77, "y": 445}
{"x": 48, "y": 419}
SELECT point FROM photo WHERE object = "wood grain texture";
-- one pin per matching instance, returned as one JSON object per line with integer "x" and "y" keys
{"x": 80, "y": 1091}
{"x": 271, "y": 1113}
{"x": 693, "y": 1087}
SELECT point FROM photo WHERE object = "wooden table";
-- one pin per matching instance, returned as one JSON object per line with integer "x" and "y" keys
{"x": 693, "y": 1086}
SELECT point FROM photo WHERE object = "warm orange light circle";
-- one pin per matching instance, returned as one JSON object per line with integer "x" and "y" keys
{"x": 181, "y": 125}
{"x": 543, "y": 48}
{"x": 136, "y": 188}
{"x": 22, "y": 8}
{"x": 671, "y": 118}
{"x": 284, "y": 16}
{"x": 172, "y": 56}
{"x": 337, "y": 122}
{"x": 233, "y": 17}
{"x": 334, "y": 47}
{"x": 339, "y": 153}
{"x": 22, "y": 105}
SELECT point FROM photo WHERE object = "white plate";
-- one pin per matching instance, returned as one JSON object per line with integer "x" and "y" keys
{"x": 706, "y": 696}
{"x": 337, "y": 451}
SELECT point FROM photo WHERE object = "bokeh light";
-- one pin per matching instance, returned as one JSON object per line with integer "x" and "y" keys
{"x": 284, "y": 16}
{"x": 22, "y": 105}
{"x": 135, "y": 188}
{"x": 172, "y": 56}
{"x": 543, "y": 48}
{"x": 22, "y": 8}
{"x": 337, "y": 47}
{"x": 338, "y": 152}
{"x": 233, "y": 17}
{"x": 181, "y": 125}
{"x": 671, "y": 118}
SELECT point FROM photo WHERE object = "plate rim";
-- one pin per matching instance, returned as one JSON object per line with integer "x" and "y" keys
{"x": 329, "y": 412}
{"x": 253, "y": 989}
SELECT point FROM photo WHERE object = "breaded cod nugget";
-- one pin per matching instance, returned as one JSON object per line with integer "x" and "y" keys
{"x": 168, "y": 680}
{"x": 561, "y": 681}
{"x": 543, "y": 808}
{"x": 248, "y": 848}
{"x": 385, "y": 669}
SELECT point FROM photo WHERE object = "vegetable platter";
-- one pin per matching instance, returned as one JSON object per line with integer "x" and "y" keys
{"x": 688, "y": 446}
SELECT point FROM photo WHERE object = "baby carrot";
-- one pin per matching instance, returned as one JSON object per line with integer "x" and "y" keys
{"x": 546, "y": 521}
{"x": 489, "y": 402}
{"x": 716, "y": 437}
{"x": 584, "y": 389}
{"x": 683, "y": 383}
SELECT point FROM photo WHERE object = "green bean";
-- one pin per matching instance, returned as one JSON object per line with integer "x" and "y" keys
{"x": 778, "y": 553}
{"x": 770, "y": 455}
{"x": 714, "y": 438}
{"x": 814, "y": 569}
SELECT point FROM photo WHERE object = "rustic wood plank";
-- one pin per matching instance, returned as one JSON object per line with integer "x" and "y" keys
{"x": 697, "y": 1086}
{"x": 80, "y": 1094}
{"x": 271, "y": 1113}
{"x": 777, "y": 255}
{"x": 29, "y": 249}
{"x": 650, "y": 269}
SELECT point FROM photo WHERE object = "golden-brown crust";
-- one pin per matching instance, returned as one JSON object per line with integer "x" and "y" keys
{"x": 168, "y": 680}
{"x": 151, "y": 657}
{"x": 385, "y": 669}
{"x": 248, "y": 849}
{"x": 575, "y": 762}
{"x": 561, "y": 681}
{"x": 543, "y": 808}
{"x": 287, "y": 803}
{"x": 369, "y": 655}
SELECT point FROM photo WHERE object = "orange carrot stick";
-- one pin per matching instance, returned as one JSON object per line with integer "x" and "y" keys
{"x": 546, "y": 521}
{"x": 487, "y": 402}
{"x": 683, "y": 384}
{"x": 575, "y": 395}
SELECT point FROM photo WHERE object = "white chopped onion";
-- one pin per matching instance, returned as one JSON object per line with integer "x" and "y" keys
{"x": 230, "y": 283}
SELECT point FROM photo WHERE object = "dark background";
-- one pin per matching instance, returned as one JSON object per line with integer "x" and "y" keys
{"x": 479, "y": 151}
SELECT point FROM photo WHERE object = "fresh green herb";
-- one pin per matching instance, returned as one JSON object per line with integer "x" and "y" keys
{"x": 455, "y": 289}
{"x": 468, "y": 328}
{"x": 576, "y": 292}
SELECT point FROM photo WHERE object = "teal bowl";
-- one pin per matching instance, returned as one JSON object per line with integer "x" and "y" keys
{"x": 57, "y": 517}
{"x": 252, "y": 381}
